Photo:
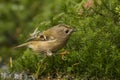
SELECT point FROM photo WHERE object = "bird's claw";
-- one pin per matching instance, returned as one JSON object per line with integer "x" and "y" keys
{"x": 63, "y": 54}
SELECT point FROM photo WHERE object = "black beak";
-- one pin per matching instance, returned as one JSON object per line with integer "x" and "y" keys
{"x": 74, "y": 30}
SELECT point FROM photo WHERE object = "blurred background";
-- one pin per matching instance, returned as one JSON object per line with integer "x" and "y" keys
{"x": 95, "y": 47}
{"x": 18, "y": 18}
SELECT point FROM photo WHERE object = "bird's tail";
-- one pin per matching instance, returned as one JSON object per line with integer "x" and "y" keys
{"x": 21, "y": 45}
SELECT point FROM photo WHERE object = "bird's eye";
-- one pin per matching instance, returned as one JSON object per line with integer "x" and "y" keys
{"x": 66, "y": 31}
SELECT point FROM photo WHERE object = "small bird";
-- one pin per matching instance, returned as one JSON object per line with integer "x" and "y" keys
{"x": 50, "y": 40}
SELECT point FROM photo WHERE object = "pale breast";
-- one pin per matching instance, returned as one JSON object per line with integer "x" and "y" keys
{"x": 44, "y": 46}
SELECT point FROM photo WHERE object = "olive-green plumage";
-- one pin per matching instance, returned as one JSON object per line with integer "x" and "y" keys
{"x": 49, "y": 40}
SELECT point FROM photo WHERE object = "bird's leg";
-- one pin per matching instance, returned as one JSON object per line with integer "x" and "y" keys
{"x": 63, "y": 54}
{"x": 49, "y": 53}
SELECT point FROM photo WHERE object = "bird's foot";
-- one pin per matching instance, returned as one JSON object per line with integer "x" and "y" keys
{"x": 63, "y": 54}
{"x": 49, "y": 53}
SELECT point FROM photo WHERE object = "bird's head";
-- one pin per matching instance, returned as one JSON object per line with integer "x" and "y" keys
{"x": 62, "y": 31}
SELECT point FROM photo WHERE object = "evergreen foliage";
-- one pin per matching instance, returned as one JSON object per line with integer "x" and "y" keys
{"x": 94, "y": 50}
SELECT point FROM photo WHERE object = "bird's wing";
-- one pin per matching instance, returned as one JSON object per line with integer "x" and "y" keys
{"x": 21, "y": 45}
{"x": 39, "y": 36}
{"x": 36, "y": 36}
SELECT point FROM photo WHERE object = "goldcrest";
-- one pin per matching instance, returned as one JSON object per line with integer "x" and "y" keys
{"x": 50, "y": 40}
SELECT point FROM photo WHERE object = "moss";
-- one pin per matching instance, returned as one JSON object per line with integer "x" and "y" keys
{"x": 94, "y": 50}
